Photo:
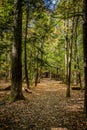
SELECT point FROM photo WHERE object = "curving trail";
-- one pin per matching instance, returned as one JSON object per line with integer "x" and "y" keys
{"x": 47, "y": 108}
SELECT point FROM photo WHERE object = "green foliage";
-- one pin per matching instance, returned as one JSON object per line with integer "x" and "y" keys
{"x": 46, "y": 34}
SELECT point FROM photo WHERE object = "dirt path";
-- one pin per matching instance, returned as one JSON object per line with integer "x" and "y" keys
{"x": 47, "y": 108}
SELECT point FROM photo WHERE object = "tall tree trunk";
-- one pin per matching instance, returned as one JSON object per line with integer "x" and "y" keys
{"x": 37, "y": 74}
{"x": 16, "y": 89}
{"x": 77, "y": 66}
{"x": 66, "y": 50}
{"x": 85, "y": 51}
{"x": 25, "y": 49}
{"x": 76, "y": 52}
{"x": 41, "y": 64}
{"x": 6, "y": 73}
{"x": 70, "y": 60}
{"x": 69, "y": 70}
{"x": 79, "y": 73}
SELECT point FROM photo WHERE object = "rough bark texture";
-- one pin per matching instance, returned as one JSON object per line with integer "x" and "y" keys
{"x": 70, "y": 60}
{"x": 25, "y": 50}
{"x": 85, "y": 50}
{"x": 16, "y": 90}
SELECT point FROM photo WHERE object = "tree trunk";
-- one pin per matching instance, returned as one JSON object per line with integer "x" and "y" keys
{"x": 69, "y": 71}
{"x": 6, "y": 73}
{"x": 37, "y": 75}
{"x": 76, "y": 51}
{"x": 16, "y": 89}
{"x": 25, "y": 49}
{"x": 79, "y": 74}
{"x": 41, "y": 64}
{"x": 70, "y": 60}
{"x": 66, "y": 51}
{"x": 57, "y": 69}
{"x": 85, "y": 51}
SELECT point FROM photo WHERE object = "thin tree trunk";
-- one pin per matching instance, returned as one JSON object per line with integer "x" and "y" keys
{"x": 66, "y": 51}
{"x": 6, "y": 73}
{"x": 16, "y": 89}
{"x": 50, "y": 74}
{"x": 25, "y": 49}
{"x": 70, "y": 60}
{"x": 76, "y": 52}
{"x": 57, "y": 69}
{"x": 37, "y": 75}
{"x": 41, "y": 64}
{"x": 79, "y": 73}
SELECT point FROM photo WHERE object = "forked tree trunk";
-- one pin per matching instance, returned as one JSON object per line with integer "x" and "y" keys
{"x": 16, "y": 89}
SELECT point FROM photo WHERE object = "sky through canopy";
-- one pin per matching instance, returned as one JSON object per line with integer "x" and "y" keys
{"x": 51, "y": 4}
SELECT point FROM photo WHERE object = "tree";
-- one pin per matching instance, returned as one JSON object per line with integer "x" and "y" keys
{"x": 85, "y": 51}
{"x": 25, "y": 47}
{"x": 16, "y": 89}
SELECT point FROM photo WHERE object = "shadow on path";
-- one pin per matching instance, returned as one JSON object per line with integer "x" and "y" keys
{"x": 47, "y": 108}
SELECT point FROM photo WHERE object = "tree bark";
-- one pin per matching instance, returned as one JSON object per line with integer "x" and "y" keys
{"x": 85, "y": 51}
{"x": 37, "y": 75}
{"x": 25, "y": 49}
{"x": 70, "y": 60}
{"x": 16, "y": 89}
{"x": 41, "y": 64}
{"x": 66, "y": 50}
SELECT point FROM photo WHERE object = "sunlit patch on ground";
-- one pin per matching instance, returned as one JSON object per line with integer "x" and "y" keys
{"x": 59, "y": 128}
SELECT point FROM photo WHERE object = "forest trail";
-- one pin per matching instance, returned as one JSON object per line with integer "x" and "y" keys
{"x": 47, "y": 108}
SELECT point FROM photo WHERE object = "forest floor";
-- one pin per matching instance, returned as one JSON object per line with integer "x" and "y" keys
{"x": 47, "y": 108}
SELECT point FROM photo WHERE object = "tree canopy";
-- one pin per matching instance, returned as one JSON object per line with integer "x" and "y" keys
{"x": 43, "y": 38}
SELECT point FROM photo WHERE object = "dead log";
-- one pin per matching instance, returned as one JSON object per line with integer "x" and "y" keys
{"x": 6, "y": 89}
{"x": 77, "y": 88}
{"x": 28, "y": 90}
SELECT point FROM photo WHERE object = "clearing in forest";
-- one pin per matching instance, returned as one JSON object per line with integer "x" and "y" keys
{"x": 47, "y": 108}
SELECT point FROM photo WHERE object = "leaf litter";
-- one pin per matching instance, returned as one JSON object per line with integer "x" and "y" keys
{"x": 47, "y": 108}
